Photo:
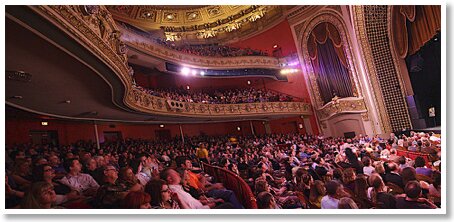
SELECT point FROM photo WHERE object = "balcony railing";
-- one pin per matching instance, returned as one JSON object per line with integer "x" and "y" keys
{"x": 94, "y": 28}
{"x": 150, "y": 46}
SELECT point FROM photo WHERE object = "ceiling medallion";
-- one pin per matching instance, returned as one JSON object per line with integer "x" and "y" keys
{"x": 149, "y": 15}
{"x": 170, "y": 16}
{"x": 191, "y": 16}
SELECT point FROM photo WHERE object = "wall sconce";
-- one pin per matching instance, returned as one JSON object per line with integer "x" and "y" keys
{"x": 44, "y": 123}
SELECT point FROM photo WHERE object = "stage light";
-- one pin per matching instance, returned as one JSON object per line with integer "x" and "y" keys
{"x": 44, "y": 123}
{"x": 194, "y": 72}
{"x": 238, "y": 128}
{"x": 249, "y": 82}
{"x": 185, "y": 71}
{"x": 161, "y": 126}
{"x": 187, "y": 87}
{"x": 202, "y": 73}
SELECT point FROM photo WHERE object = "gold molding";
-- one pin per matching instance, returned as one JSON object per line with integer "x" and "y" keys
{"x": 342, "y": 106}
{"x": 196, "y": 24}
{"x": 95, "y": 29}
{"x": 358, "y": 20}
{"x": 150, "y": 47}
{"x": 144, "y": 102}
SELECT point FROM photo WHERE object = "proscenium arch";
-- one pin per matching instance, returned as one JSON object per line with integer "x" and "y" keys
{"x": 337, "y": 21}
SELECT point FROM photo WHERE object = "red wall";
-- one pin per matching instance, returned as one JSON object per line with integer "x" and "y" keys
{"x": 17, "y": 130}
{"x": 280, "y": 34}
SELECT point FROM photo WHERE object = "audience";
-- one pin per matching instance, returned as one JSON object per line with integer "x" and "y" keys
{"x": 283, "y": 171}
{"x": 233, "y": 96}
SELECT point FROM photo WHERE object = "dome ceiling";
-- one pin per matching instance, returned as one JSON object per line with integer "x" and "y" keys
{"x": 200, "y": 23}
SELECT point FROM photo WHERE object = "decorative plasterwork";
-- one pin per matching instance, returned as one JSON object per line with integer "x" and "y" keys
{"x": 335, "y": 19}
{"x": 341, "y": 106}
{"x": 359, "y": 24}
{"x": 152, "y": 48}
{"x": 197, "y": 23}
{"x": 95, "y": 29}
{"x": 156, "y": 105}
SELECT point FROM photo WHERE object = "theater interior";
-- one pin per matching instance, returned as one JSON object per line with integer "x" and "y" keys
{"x": 223, "y": 107}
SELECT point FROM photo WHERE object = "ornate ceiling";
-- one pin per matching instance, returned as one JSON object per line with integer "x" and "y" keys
{"x": 199, "y": 23}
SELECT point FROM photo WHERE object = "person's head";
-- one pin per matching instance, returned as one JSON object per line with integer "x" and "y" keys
{"x": 43, "y": 173}
{"x": 100, "y": 161}
{"x": 110, "y": 173}
{"x": 171, "y": 176}
{"x": 90, "y": 164}
{"x": 347, "y": 203}
{"x": 379, "y": 167}
{"x": 332, "y": 188}
{"x": 261, "y": 185}
{"x": 22, "y": 166}
{"x": 158, "y": 190}
{"x": 376, "y": 182}
{"x": 402, "y": 160}
{"x": 39, "y": 196}
{"x": 54, "y": 160}
{"x": 137, "y": 200}
{"x": 72, "y": 165}
{"x": 420, "y": 162}
{"x": 338, "y": 174}
{"x": 361, "y": 186}
{"x": 184, "y": 162}
{"x": 408, "y": 174}
{"x": 317, "y": 190}
{"x": 349, "y": 175}
{"x": 366, "y": 161}
{"x": 413, "y": 189}
{"x": 126, "y": 174}
{"x": 265, "y": 201}
{"x": 39, "y": 161}
{"x": 393, "y": 167}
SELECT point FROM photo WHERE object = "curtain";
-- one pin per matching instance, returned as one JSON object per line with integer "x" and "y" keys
{"x": 329, "y": 62}
{"x": 413, "y": 26}
{"x": 426, "y": 24}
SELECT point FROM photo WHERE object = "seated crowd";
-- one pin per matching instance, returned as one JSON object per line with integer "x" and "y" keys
{"x": 233, "y": 96}
{"x": 212, "y": 50}
{"x": 290, "y": 171}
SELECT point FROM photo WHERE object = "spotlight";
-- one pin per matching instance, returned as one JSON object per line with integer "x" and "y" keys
{"x": 238, "y": 128}
{"x": 202, "y": 73}
{"x": 44, "y": 123}
{"x": 161, "y": 126}
{"x": 249, "y": 82}
{"x": 185, "y": 71}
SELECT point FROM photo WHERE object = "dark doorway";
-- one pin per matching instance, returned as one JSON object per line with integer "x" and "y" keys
{"x": 44, "y": 137}
{"x": 112, "y": 136}
{"x": 162, "y": 135}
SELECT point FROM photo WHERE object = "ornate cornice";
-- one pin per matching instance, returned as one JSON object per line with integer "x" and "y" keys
{"x": 94, "y": 28}
{"x": 342, "y": 106}
{"x": 195, "y": 24}
{"x": 144, "y": 102}
{"x": 150, "y": 47}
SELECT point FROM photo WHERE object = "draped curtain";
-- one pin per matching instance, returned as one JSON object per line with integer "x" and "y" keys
{"x": 413, "y": 26}
{"x": 329, "y": 62}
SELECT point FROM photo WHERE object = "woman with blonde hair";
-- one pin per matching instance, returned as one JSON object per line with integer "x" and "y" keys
{"x": 41, "y": 195}
{"x": 347, "y": 203}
